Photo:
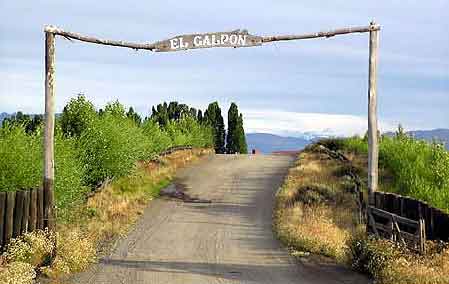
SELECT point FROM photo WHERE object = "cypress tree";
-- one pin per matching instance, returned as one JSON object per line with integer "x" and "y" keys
{"x": 243, "y": 147}
{"x": 232, "y": 145}
{"x": 235, "y": 140}
{"x": 213, "y": 117}
{"x": 200, "y": 116}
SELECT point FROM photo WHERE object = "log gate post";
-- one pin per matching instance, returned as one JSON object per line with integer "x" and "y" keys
{"x": 373, "y": 139}
{"x": 49, "y": 160}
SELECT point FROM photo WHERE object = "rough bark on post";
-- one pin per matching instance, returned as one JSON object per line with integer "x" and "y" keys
{"x": 49, "y": 167}
{"x": 373, "y": 147}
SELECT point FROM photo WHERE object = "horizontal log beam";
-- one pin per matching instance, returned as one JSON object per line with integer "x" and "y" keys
{"x": 153, "y": 46}
{"x": 326, "y": 34}
{"x": 118, "y": 43}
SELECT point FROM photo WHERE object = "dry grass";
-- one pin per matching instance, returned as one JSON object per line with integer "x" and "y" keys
{"x": 315, "y": 212}
{"x": 93, "y": 226}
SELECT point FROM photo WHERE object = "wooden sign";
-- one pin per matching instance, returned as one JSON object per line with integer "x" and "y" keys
{"x": 237, "y": 38}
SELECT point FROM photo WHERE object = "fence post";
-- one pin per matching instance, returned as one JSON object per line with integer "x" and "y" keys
{"x": 2, "y": 217}
{"x": 9, "y": 215}
{"x": 49, "y": 167}
{"x": 373, "y": 147}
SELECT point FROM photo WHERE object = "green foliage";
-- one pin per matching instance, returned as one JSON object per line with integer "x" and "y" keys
{"x": 69, "y": 173}
{"x": 115, "y": 109}
{"x": 242, "y": 146}
{"x": 134, "y": 116}
{"x": 420, "y": 169}
{"x": 158, "y": 139}
{"x": 164, "y": 113}
{"x": 21, "y": 156}
{"x": 20, "y": 159}
{"x": 30, "y": 123}
{"x": 77, "y": 116}
{"x": 90, "y": 147}
{"x": 213, "y": 118}
{"x": 111, "y": 146}
{"x": 232, "y": 138}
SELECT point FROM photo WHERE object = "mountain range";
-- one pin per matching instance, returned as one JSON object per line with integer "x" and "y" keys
{"x": 268, "y": 143}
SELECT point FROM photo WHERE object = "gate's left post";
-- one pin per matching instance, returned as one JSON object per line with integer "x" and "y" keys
{"x": 49, "y": 160}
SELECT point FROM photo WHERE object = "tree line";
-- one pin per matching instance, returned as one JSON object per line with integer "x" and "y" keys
{"x": 79, "y": 112}
{"x": 232, "y": 142}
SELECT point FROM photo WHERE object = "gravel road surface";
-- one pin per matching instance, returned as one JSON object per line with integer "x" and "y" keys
{"x": 228, "y": 240}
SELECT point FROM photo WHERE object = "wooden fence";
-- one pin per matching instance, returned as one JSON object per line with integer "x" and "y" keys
{"x": 21, "y": 211}
{"x": 407, "y": 220}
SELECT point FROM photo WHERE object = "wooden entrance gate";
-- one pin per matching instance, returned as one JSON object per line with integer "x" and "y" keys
{"x": 234, "y": 39}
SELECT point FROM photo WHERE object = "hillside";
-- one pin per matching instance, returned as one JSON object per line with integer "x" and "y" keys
{"x": 268, "y": 143}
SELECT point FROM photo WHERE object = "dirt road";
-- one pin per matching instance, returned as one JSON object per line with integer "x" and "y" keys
{"x": 226, "y": 241}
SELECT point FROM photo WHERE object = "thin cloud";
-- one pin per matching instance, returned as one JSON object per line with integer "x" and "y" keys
{"x": 297, "y": 124}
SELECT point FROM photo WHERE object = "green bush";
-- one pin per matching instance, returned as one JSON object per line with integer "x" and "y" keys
{"x": 89, "y": 148}
{"x": 77, "y": 116}
{"x": 420, "y": 169}
{"x": 21, "y": 164}
{"x": 69, "y": 173}
{"x": 111, "y": 147}
{"x": 20, "y": 159}
{"x": 158, "y": 139}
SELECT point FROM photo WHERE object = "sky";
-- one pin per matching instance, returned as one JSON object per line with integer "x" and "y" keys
{"x": 285, "y": 88}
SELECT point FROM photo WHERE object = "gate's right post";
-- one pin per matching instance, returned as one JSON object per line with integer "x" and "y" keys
{"x": 373, "y": 141}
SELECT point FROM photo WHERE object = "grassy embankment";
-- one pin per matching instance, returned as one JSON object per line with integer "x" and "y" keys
{"x": 316, "y": 211}
{"x": 111, "y": 147}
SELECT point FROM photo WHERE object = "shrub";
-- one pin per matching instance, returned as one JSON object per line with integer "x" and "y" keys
{"x": 371, "y": 256}
{"x": 34, "y": 248}
{"x": 158, "y": 139}
{"x": 17, "y": 273}
{"x": 77, "y": 116}
{"x": 111, "y": 147}
{"x": 75, "y": 252}
{"x": 69, "y": 173}
{"x": 20, "y": 159}
{"x": 420, "y": 169}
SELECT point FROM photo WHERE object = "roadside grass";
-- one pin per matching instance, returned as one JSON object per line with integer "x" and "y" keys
{"x": 315, "y": 213}
{"x": 91, "y": 228}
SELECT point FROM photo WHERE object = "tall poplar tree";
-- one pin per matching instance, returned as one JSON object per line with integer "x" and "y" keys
{"x": 232, "y": 137}
{"x": 213, "y": 117}
{"x": 235, "y": 140}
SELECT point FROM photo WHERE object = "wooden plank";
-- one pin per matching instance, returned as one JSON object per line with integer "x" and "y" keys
{"x": 33, "y": 211}
{"x": 26, "y": 211}
{"x": 40, "y": 209}
{"x": 49, "y": 168}
{"x": 373, "y": 147}
{"x": 9, "y": 216}
{"x": 18, "y": 214}
{"x": 2, "y": 217}
{"x": 400, "y": 219}
{"x": 234, "y": 39}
